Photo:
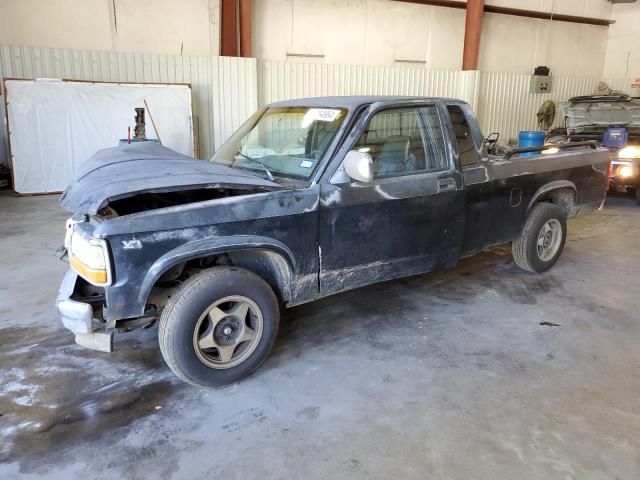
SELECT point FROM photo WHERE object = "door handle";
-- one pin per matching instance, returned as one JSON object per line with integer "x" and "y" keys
{"x": 446, "y": 184}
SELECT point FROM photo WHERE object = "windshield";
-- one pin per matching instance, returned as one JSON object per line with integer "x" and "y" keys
{"x": 282, "y": 141}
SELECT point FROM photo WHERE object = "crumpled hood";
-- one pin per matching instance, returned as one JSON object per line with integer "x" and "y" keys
{"x": 602, "y": 114}
{"x": 127, "y": 170}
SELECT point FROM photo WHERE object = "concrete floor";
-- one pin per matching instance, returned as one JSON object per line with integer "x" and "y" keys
{"x": 448, "y": 375}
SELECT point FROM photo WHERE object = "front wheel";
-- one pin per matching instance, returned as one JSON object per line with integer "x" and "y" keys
{"x": 219, "y": 327}
{"x": 638, "y": 196}
{"x": 542, "y": 238}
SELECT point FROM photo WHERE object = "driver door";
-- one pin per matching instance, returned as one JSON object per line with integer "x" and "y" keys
{"x": 409, "y": 219}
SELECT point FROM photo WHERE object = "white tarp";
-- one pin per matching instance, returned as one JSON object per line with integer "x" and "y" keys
{"x": 56, "y": 125}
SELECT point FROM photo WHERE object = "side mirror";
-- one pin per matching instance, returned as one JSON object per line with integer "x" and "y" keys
{"x": 359, "y": 166}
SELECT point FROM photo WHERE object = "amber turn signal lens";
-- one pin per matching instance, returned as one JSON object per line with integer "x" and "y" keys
{"x": 94, "y": 276}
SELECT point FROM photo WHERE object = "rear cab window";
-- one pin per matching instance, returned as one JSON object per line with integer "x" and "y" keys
{"x": 463, "y": 136}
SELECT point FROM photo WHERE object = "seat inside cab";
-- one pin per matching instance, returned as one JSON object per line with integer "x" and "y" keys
{"x": 394, "y": 140}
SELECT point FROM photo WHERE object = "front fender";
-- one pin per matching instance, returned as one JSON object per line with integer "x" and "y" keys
{"x": 212, "y": 246}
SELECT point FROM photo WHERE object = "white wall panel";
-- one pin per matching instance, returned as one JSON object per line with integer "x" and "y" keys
{"x": 623, "y": 42}
{"x": 227, "y": 90}
{"x": 630, "y": 86}
{"x": 502, "y": 101}
{"x": 286, "y": 80}
{"x": 513, "y": 44}
{"x": 224, "y": 89}
{"x": 401, "y": 34}
{"x": 190, "y": 27}
{"x": 34, "y": 62}
{"x": 54, "y": 128}
{"x": 506, "y": 106}
{"x": 234, "y": 95}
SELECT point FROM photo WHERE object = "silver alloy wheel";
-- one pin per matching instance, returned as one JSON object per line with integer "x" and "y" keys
{"x": 549, "y": 240}
{"x": 228, "y": 332}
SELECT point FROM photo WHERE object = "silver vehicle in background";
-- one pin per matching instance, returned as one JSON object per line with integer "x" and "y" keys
{"x": 613, "y": 121}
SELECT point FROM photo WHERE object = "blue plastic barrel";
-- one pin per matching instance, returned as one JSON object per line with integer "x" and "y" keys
{"x": 530, "y": 139}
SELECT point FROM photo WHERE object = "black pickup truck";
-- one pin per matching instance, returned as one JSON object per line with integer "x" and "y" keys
{"x": 308, "y": 198}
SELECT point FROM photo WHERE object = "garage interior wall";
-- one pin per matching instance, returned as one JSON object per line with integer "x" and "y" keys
{"x": 86, "y": 40}
{"x": 623, "y": 43}
{"x": 185, "y": 27}
{"x": 389, "y": 33}
{"x": 224, "y": 90}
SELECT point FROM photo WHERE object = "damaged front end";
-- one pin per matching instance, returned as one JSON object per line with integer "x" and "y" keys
{"x": 99, "y": 295}
{"x": 81, "y": 301}
{"x": 81, "y": 308}
{"x": 82, "y": 315}
{"x": 143, "y": 176}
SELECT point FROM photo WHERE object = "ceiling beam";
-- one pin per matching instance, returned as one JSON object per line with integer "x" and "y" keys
{"x": 517, "y": 12}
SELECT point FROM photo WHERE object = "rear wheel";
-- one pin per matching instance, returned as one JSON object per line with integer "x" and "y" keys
{"x": 638, "y": 196}
{"x": 219, "y": 327}
{"x": 542, "y": 239}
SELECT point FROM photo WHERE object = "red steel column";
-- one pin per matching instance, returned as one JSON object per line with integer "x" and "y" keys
{"x": 246, "y": 17}
{"x": 229, "y": 28}
{"x": 472, "y": 30}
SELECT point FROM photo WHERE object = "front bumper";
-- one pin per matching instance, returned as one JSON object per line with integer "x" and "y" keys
{"x": 78, "y": 317}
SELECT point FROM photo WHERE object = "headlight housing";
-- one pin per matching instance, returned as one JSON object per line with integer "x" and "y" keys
{"x": 629, "y": 152}
{"x": 625, "y": 171}
{"x": 89, "y": 257}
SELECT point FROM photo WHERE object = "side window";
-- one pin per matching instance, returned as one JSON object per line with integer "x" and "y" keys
{"x": 466, "y": 148}
{"x": 404, "y": 141}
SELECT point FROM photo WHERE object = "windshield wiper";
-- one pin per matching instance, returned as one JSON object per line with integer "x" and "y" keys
{"x": 258, "y": 162}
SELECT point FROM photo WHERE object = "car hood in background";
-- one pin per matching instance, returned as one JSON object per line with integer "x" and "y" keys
{"x": 602, "y": 114}
{"x": 128, "y": 170}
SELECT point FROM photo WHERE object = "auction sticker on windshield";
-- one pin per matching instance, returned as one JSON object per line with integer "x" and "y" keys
{"x": 306, "y": 164}
{"x": 321, "y": 114}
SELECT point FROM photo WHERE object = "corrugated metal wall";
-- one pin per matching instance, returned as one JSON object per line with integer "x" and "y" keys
{"x": 506, "y": 106}
{"x": 286, "y": 80}
{"x": 624, "y": 85}
{"x": 501, "y": 101}
{"x": 223, "y": 89}
{"x": 235, "y": 95}
{"x": 227, "y": 90}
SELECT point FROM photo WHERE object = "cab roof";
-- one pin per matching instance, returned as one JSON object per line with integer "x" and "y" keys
{"x": 355, "y": 101}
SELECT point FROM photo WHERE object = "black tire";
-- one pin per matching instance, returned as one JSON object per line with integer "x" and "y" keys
{"x": 638, "y": 196}
{"x": 186, "y": 309}
{"x": 525, "y": 249}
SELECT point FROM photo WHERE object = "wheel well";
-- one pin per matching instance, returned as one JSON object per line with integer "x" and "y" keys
{"x": 564, "y": 197}
{"x": 268, "y": 265}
